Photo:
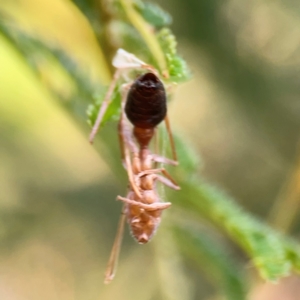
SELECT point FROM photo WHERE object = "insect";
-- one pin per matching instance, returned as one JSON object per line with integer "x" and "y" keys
{"x": 144, "y": 105}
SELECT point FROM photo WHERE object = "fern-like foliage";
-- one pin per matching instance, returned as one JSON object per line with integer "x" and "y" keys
{"x": 141, "y": 28}
{"x": 177, "y": 67}
{"x": 273, "y": 254}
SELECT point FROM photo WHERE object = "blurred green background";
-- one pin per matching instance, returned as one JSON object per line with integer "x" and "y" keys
{"x": 240, "y": 111}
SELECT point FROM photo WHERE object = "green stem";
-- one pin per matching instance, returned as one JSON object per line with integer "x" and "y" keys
{"x": 147, "y": 34}
{"x": 106, "y": 15}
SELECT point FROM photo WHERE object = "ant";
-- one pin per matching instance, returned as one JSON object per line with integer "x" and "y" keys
{"x": 144, "y": 105}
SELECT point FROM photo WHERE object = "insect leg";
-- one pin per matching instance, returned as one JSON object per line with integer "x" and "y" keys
{"x": 114, "y": 255}
{"x": 107, "y": 100}
{"x": 167, "y": 174}
{"x": 127, "y": 145}
{"x": 147, "y": 207}
{"x": 164, "y": 160}
{"x": 167, "y": 180}
{"x": 171, "y": 138}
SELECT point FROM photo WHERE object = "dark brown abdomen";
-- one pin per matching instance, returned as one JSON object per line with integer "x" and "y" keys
{"x": 146, "y": 102}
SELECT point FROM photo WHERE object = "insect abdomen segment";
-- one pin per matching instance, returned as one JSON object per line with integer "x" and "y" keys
{"x": 146, "y": 102}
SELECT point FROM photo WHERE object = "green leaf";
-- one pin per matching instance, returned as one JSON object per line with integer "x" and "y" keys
{"x": 272, "y": 254}
{"x": 88, "y": 7}
{"x": 132, "y": 42}
{"x": 178, "y": 70}
{"x": 212, "y": 257}
{"x": 112, "y": 112}
{"x": 153, "y": 13}
{"x": 190, "y": 162}
{"x": 49, "y": 61}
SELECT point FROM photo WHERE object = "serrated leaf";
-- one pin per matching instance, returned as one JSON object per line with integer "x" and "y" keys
{"x": 177, "y": 67}
{"x": 271, "y": 253}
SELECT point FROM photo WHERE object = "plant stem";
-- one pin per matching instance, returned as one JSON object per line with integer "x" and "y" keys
{"x": 107, "y": 16}
{"x": 147, "y": 34}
